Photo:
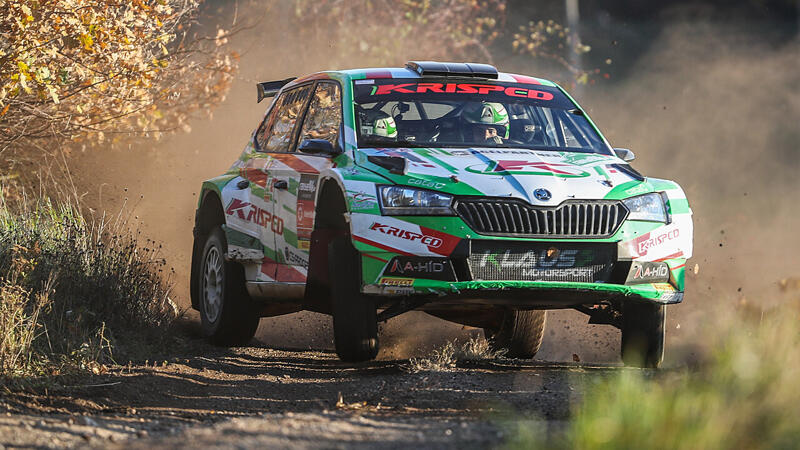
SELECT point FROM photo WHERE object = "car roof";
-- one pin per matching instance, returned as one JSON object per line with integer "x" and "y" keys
{"x": 402, "y": 72}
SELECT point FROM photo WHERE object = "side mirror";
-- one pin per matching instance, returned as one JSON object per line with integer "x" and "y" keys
{"x": 624, "y": 154}
{"x": 317, "y": 147}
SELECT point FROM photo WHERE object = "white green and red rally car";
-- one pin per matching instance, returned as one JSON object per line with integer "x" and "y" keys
{"x": 480, "y": 197}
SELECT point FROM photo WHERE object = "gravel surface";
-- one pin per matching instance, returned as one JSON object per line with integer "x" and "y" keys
{"x": 260, "y": 396}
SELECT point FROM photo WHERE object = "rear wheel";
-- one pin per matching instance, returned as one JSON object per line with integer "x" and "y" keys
{"x": 520, "y": 333}
{"x": 226, "y": 311}
{"x": 643, "y": 329}
{"x": 355, "y": 316}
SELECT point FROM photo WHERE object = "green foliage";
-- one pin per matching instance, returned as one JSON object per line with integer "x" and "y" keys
{"x": 72, "y": 291}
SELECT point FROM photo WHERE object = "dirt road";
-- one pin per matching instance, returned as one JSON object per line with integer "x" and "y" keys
{"x": 259, "y": 396}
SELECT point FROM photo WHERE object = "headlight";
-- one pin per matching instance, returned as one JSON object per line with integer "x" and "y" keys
{"x": 399, "y": 200}
{"x": 649, "y": 207}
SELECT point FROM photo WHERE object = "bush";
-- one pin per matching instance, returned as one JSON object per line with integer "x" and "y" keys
{"x": 75, "y": 293}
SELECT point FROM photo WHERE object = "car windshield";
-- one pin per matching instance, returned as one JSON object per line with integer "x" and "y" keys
{"x": 452, "y": 113}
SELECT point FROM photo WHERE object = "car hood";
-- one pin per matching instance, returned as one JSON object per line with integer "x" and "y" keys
{"x": 502, "y": 172}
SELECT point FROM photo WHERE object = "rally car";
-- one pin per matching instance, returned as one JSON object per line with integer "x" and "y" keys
{"x": 480, "y": 197}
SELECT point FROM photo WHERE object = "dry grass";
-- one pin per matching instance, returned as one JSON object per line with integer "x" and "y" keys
{"x": 71, "y": 291}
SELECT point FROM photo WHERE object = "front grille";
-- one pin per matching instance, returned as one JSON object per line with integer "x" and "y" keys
{"x": 542, "y": 261}
{"x": 510, "y": 217}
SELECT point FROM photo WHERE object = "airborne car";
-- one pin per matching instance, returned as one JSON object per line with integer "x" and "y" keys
{"x": 480, "y": 197}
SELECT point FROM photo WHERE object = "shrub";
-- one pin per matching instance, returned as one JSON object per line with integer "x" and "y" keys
{"x": 71, "y": 291}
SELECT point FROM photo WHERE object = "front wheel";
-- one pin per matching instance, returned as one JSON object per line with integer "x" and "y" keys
{"x": 226, "y": 311}
{"x": 520, "y": 333}
{"x": 355, "y": 316}
{"x": 643, "y": 329}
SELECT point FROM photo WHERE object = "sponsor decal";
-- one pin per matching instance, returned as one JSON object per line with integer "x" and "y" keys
{"x": 504, "y": 151}
{"x": 430, "y": 241}
{"x": 295, "y": 259}
{"x": 306, "y": 195}
{"x": 252, "y": 213}
{"x": 647, "y": 272}
{"x": 649, "y": 242}
{"x": 362, "y": 201}
{"x": 421, "y": 267}
{"x": 638, "y": 189}
{"x": 671, "y": 297}
{"x": 518, "y": 167}
{"x": 460, "y": 88}
{"x": 538, "y": 263}
{"x": 663, "y": 287}
{"x": 398, "y": 290}
{"x": 305, "y": 187}
{"x": 392, "y": 281}
{"x": 425, "y": 183}
{"x": 304, "y": 244}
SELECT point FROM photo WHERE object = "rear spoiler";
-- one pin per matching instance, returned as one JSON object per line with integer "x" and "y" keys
{"x": 270, "y": 88}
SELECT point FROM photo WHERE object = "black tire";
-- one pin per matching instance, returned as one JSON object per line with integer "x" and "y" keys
{"x": 643, "y": 330}
{"x": 355, "y": 316}
{"x": 227, "y": 314}
{"x": 520, "y": 333}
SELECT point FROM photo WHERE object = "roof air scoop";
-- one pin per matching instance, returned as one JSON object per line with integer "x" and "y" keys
{"x": 444, "y": 69}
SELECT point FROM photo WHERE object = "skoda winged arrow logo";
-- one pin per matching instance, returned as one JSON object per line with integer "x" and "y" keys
{"x": 542, "y": 194}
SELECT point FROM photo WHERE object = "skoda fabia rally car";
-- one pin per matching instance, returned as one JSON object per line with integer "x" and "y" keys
{"x": 479, "y": 197}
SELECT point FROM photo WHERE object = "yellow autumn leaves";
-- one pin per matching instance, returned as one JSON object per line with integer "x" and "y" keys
{"x": 75, "y": 69}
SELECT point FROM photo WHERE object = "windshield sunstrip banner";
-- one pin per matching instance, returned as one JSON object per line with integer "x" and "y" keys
{"x": 374, "y": 90}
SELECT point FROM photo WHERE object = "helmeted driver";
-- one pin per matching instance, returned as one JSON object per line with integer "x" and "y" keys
{"x": 489, "y": 122}
{"x": 384, "y": 127}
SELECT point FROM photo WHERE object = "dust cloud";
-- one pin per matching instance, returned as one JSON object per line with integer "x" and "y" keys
{"x": 711, "y": 106}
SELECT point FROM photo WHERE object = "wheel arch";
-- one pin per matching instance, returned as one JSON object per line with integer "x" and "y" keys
{"x": 331, "y": 204}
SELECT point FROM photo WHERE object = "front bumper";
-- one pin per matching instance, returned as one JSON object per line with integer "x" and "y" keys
{"x": 551, "y": 294}
{"x": 425, "y": 242}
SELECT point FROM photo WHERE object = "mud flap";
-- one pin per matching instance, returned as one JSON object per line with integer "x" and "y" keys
{"x": 318, "y": 281}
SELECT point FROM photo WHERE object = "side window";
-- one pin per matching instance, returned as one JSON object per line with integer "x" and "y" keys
{"x": 266, "y": 125}
{"x": 285, "y": 118}
{"x": 324, "y": 116}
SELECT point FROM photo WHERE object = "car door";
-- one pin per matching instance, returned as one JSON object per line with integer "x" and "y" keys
{"x": 248, "y": 204}
{"x": 273, "y": 138}
{"x": 297, "y": 175}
